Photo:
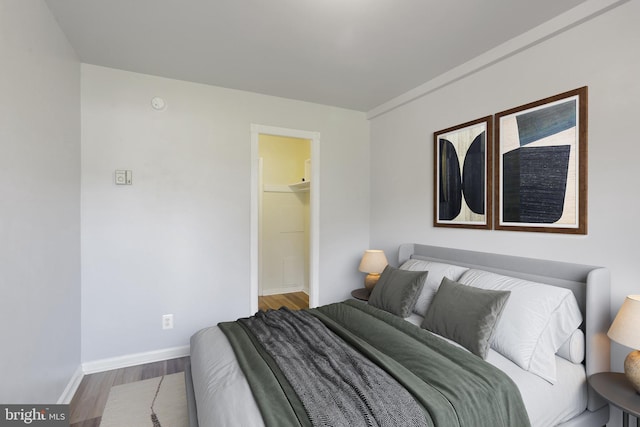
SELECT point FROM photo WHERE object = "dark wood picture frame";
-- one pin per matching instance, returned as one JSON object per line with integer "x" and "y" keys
{"x": 463, "y": 175}
{"x": 541, "y": 165}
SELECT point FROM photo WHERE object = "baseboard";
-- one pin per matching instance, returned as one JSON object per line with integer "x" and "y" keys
{"x": 134, "y": 359}
{"x": 70, "y": 390}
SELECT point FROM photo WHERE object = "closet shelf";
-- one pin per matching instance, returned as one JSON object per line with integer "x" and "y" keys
{"x": 300, "y": 186}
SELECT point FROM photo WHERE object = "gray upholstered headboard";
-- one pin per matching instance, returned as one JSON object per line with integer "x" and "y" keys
{"x": 589, "y": 284}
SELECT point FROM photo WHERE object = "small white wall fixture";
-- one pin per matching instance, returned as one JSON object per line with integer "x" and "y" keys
{"x": 314, "y": 200}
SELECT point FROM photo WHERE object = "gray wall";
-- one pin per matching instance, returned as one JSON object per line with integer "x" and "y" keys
{"x": 178, "y": 240}
{"x": 601, "y": 53}
{"x": 39, "y": 206}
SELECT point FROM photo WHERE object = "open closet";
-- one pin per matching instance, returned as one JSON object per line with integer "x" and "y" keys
{"x": 284, "y": 214}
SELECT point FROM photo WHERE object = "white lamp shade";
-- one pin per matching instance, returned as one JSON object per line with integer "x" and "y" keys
{"x": 625, "y": 328}
{"x": 373, "y": 261}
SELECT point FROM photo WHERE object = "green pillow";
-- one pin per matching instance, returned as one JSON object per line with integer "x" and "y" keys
{"x": 465, "y": 314}
{"x": 397, "y": 290}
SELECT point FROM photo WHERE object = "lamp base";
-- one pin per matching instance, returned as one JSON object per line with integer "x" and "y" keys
{"x": 370, "y": 280}
{"x": 632, "y": 369}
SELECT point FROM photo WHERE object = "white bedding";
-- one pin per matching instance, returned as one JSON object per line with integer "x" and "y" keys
{"x": 218, "y": 377}
{"x": 547, "y": 404}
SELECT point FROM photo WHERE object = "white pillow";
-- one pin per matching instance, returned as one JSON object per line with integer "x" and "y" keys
{"x": 436, "y": 271}
{"x": 573, "y": 348}
{"x": 536, "y": 321}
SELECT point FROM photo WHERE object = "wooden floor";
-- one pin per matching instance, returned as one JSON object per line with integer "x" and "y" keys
{"x": 88, "y": 403}
{"x": 294, "y": 301}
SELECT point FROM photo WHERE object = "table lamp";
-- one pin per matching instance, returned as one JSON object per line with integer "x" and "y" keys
{"x": 625, "y": 330}
{"x": 373, "y": 262}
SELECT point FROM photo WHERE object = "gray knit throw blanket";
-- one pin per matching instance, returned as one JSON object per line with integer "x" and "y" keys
{"x": 337, "y": 385}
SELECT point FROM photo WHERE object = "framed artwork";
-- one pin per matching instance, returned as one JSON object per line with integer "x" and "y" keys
{"x": 541, "y": 165}
{"x": 463, "y": 175}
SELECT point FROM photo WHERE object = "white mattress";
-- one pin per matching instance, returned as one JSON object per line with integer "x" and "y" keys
{"x": 547, "y": 404}
{"x": 217, "y": 377}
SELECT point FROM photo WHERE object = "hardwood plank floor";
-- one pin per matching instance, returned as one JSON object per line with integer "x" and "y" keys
{"x": 293, "y": 301}
{"x": 88, "y": 403}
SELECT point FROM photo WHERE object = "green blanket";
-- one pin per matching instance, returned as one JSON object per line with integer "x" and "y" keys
{"x": 455, "y": 387}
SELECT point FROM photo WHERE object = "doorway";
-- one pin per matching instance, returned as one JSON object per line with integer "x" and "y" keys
{"x": 284, "y": 212}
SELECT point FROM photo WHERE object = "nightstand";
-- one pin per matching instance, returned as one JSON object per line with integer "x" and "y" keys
{"x": 617, "y": 390}
{"x": 361, "y": 293}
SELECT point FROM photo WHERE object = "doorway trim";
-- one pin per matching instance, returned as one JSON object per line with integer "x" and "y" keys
{"x": 314, "y": 200}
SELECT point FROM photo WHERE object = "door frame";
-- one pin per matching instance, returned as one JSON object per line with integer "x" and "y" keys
{"x": 314, "y": 214}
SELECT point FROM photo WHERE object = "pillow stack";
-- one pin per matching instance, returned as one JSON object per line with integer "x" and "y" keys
{"x": 527, "y": 322}
{"x": 536, "y": 322}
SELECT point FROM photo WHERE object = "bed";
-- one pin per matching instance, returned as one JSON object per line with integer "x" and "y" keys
{"x": 223, "y": 389}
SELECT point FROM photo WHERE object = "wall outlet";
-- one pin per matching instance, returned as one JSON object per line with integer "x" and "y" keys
{"x": 167, "y": 321}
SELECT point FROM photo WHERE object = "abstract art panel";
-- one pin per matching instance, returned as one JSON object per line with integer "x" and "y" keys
{"x": 463, "y": 175}
{"x": 541, "y": 165}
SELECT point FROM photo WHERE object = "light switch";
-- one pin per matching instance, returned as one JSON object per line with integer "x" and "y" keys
{"x": 123, "y": 177}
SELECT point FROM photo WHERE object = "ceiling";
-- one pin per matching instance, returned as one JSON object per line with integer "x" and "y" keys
{"x": 355, "y": 54}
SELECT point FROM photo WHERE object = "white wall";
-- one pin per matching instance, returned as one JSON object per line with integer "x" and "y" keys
{"x": 40, "y": 205}
{"x": 177, "y": 240}
{"x": 603, "y": 54}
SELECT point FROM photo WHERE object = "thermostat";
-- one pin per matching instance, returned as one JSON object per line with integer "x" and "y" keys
{"x": 123, "y": 177}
